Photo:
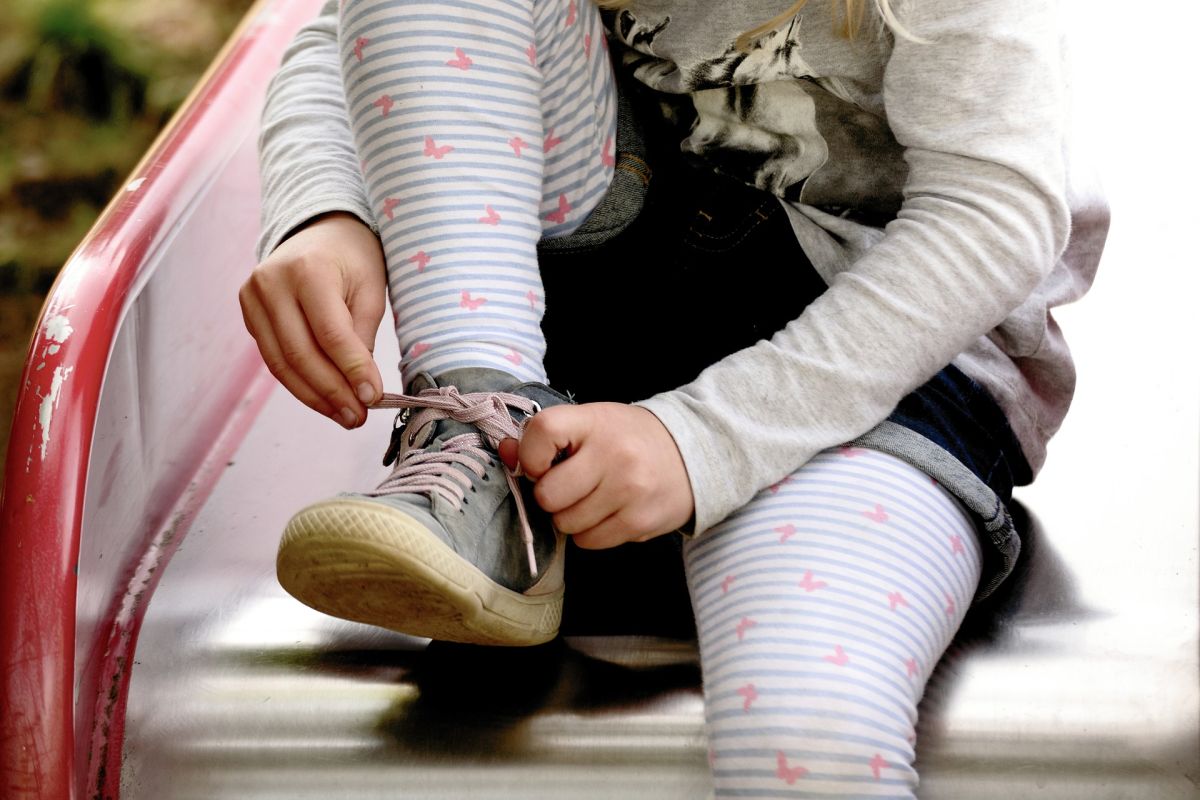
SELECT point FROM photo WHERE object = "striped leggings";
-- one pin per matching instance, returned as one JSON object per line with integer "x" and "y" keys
{"x": 823, "y": 605}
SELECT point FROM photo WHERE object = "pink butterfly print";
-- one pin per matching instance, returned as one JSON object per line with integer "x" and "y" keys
{"x": 489, "y": 217}
{"x": 838, "y": 658}
{"x": 877, "y": 515}
{"x": 910, "y": 667}
{"x": 587, "y": 45}
{"x": 725, "y": 584}
{"x": 877, "y": 765}
{"x": 774, "y": 487}
{"x": 785, "y": 532}
{"x": 896, "y": 599}
{"x": 749, "y": 694}
{"x": 531, "y": 52}
{"x": 417, "y": 349}
{"x": 606, "y": 156}
{"x": 551, "y": 141}
{"x": 850, "y": 452}
{"x": 532, "y": 298}
{"x": 744, "y": 625}
{"x": 516, "y": 143}
{"x": 571, "y": 14}
{"x": 956, "y": 545}
{"x": 461, "y": 60}
{"x": 789, "y": 774}
{"x": 514, "y": 357}
{"x": 384, "y": 104}
{"x": 389, "y": 207}
{"x": 564, "y": 208}
{"x": 808, "y": 584}
{"x": 469, "y": 303}
{"x": 421, "y": 260}
{"x": 432, "y": 149}
{"x": 359, "y": 44}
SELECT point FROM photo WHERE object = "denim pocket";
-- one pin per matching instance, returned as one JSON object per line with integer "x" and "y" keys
{"x": 726, "y": 214}
{"x": 619, "y": 207}
{"x": 626, "y": 195}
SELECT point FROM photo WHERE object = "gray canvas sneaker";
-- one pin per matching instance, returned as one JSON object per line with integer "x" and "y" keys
{"x": 444, "y": 548}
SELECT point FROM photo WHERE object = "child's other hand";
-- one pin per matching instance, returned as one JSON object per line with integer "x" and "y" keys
{"x": 623, "y": 481}
{"x": 314, "y": 307}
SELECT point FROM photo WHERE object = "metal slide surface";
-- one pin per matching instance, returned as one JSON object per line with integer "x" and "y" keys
{"x": 175, "y": 668}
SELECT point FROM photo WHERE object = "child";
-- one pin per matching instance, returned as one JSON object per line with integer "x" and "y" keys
{"x": 819, "y": 208}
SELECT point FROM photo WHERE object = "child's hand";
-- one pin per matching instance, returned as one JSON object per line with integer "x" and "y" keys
{"x": 313, "y": 307}
{"x": 623, "y": 481}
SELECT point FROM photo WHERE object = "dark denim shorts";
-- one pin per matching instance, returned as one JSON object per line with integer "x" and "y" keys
{"x": 677, "y": 268}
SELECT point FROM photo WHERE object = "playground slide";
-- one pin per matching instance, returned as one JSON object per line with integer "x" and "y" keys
{"x": 149, "y": 653}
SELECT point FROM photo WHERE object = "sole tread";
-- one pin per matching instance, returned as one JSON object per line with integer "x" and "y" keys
{"x": 369, "y": 563}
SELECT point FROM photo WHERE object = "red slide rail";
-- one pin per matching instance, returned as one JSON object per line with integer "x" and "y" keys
{"x": 62, "y": 681}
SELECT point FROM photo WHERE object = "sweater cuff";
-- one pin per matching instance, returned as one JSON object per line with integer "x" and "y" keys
{"x": 701, "y": 459}
{"x": 282, "y": 227}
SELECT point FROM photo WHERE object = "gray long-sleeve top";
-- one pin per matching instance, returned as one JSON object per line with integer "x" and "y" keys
{"x": 927, "y": 178}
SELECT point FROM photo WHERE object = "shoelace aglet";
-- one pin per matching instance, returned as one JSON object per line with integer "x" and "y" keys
{"x": 526, "y": 531}
{"x": 533, "y": 570}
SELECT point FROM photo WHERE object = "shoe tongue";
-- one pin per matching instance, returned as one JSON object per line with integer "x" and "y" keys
{"x": 469, "y": 380}
{"x": 477, "y": 379}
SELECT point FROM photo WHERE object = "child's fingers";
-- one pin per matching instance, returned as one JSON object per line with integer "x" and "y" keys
{"x": 570, "y": 485}
{"x": 509, "y": 453}
{"x": 299, "y": 349}
{"x": 259, "y": 326}
{"x": 609, "y": 532}
{"x": 604, "y": 517}
{"x": 333, "y": 328}
{"x": 590, "y": 511}
{"x": 368, "y": 303}
{"x": 548, "y": 433}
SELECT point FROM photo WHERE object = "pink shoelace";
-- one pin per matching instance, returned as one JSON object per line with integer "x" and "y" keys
{"x": 422, "y": 472}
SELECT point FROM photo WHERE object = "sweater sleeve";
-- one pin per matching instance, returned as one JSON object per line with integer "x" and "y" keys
{"x": 979, "y": 108}
{"x": 307, "y": 158}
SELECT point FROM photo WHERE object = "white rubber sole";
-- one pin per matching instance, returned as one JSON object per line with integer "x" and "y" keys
{"x": 369, "y": 563}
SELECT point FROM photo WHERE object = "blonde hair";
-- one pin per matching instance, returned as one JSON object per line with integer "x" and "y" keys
{"x": 848, "y": 26}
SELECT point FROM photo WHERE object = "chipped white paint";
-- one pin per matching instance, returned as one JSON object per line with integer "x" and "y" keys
{"x": 57, "y": 329}
{"x": 52, "y": 349}
{"x": 50, "y": 403}
{"x": 133, "y": 186}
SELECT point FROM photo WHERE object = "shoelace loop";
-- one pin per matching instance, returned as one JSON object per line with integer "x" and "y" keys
{"x": 423, "y": 472}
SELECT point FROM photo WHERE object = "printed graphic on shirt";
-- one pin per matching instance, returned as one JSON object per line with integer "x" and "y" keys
{"x": 765, "y": 116}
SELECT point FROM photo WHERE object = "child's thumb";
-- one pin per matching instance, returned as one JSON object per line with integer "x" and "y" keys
{"x": 508, "y": 450}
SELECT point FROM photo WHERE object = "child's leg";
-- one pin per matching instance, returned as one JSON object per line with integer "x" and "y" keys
{"x": 482, "y": 125}
{"x": 822, "y": 607}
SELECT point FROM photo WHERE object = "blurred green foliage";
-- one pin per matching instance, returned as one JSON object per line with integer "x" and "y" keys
{"x": 85, "y": 85}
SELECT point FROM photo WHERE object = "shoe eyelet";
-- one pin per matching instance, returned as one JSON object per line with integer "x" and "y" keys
{"x": 485, "y": 477}
{"x": 472, "y": 488}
